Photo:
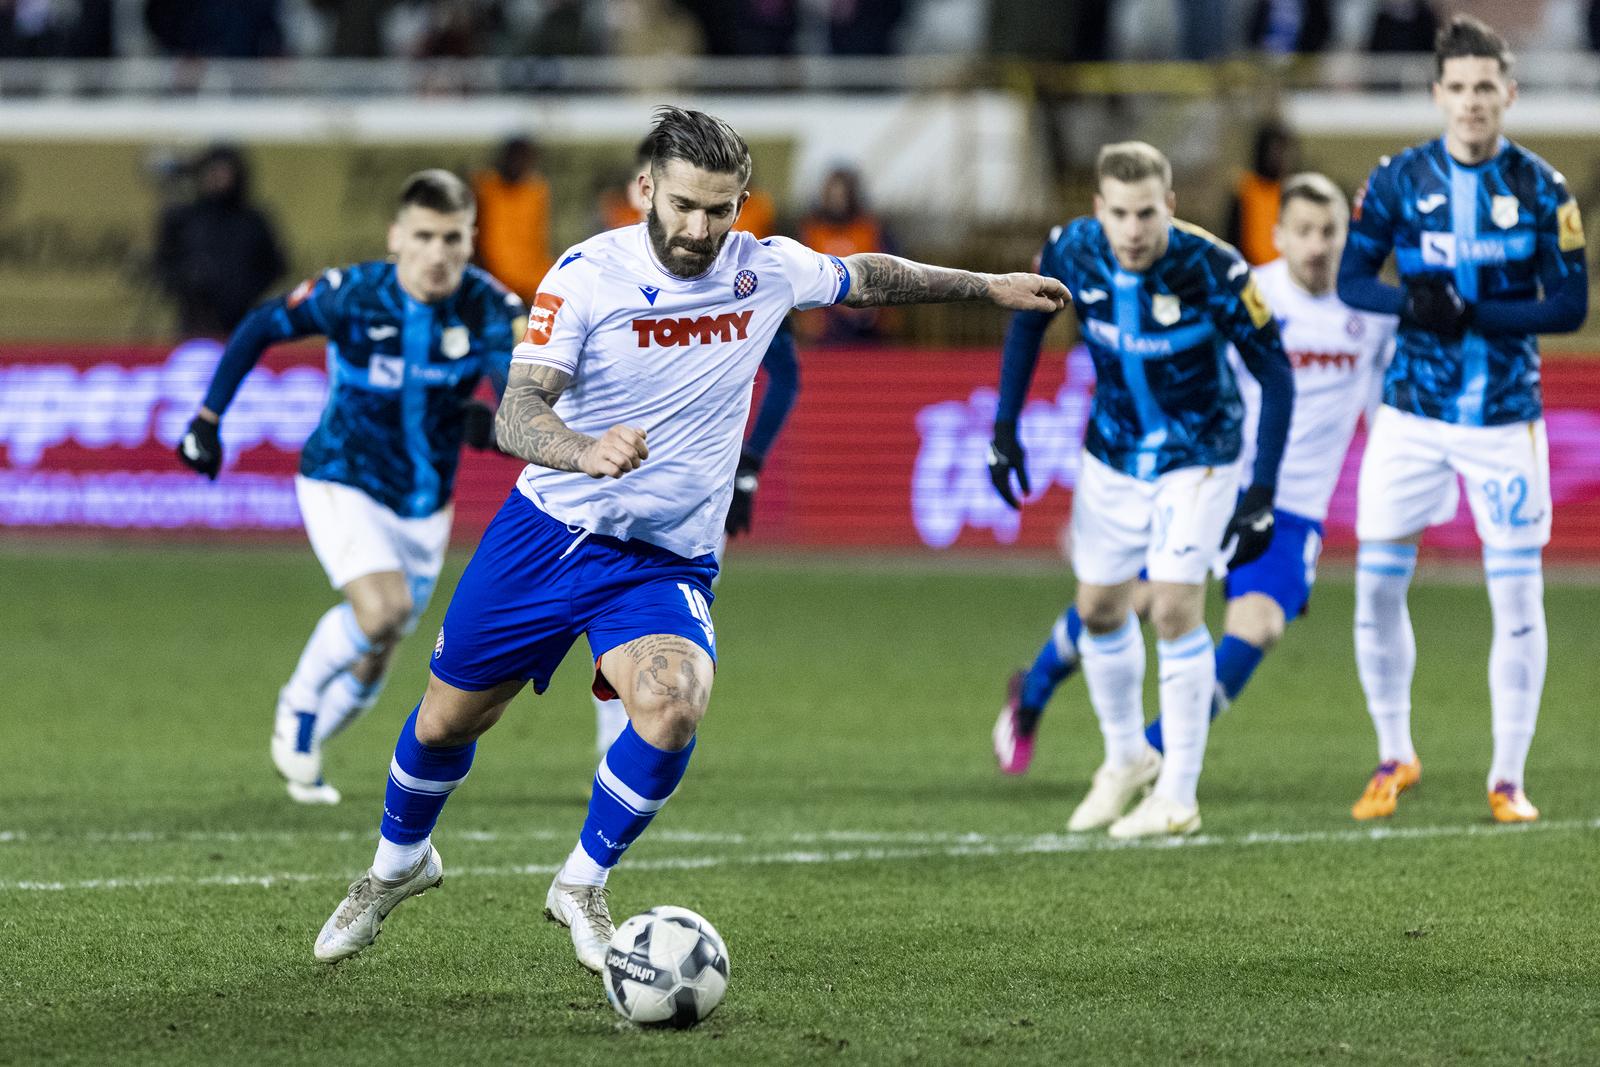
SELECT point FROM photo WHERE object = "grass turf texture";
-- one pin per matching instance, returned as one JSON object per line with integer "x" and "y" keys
{"x": 885, "y": 895}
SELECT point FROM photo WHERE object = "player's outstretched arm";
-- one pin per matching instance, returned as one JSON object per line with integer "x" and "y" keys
{"x": 879, "y": 280}
{"x": 200, "y": 447}
{"x": 526, "y": 426}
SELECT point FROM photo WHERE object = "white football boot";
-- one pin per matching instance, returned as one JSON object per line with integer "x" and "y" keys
{"x": 297, "y": 754}
{"x": 358, "y": 919}
{"x": 1157, "y": 817}
{"x": 1113, "y": 789}
{"x": 583, "y": 910}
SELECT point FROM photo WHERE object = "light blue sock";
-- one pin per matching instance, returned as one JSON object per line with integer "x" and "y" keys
{"x": 421, "y": 778}
{"x": 1055, "y": 662}
{"x": 1237, "y": 660}
{"x": 634, "y": 780}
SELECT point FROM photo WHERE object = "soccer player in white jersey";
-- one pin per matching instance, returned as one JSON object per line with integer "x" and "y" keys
{"x": 628, "y": 397}
{"x": 1336, "y": 353}
{"x": 1489, "y": 247}
{"x": 782, "y": 371}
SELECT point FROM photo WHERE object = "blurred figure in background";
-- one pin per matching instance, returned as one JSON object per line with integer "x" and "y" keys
{"x": 1403, "y": 26}
{"x": 1253, "y": 211}
{"x": 514, "y": 218}
{"x": 864, "y": 27}
{"x": 1290, "y": 27}
{"x": 224, "y": 29}
{"x": 460, "y": 29}
{"x": 409, "y": 339}
{"x": 357, "y": 30}
{"x": 746, "y": 27}
{"x": 217, "y": 254}
{"x": 841, "y": 225}
{"x": 33, "y": 29}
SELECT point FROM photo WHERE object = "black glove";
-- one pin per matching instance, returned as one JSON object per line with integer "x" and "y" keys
{"x": 477, "y": 425}
{"x": 1006, "y": 458}
{"x": 745, "y": 481}
{"x": 200, "y": 448}
{"x": 1433, "y": 304}
{"x": 1252, "y": 524}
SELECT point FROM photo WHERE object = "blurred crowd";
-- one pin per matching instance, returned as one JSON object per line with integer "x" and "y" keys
{"x": 1061, "y": 30}
{"x": 217, "y": 252}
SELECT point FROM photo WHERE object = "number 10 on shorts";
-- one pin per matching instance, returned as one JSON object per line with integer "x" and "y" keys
{"x": 700, "y": 610}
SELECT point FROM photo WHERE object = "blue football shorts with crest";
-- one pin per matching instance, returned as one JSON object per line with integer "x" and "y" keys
{"x": 1288, "y": 568}
{"x": 535, "y": 584}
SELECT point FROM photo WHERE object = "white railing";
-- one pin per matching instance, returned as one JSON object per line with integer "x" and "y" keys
{"x": 1350, "y": 71}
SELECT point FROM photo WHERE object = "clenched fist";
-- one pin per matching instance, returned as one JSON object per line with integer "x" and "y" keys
{"x": 616, "y": 452}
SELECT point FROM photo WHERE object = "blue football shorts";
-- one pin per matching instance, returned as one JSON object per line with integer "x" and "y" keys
{"x": 535, "y": 584}
{"x": 1288, "y": 568}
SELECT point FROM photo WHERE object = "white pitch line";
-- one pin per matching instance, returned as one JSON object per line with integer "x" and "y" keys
{"x": 969, "y": 845}
{"x": 693, "y": 837}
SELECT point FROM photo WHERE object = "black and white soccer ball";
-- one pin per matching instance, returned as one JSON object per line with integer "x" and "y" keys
{"x": 666, "y": 967}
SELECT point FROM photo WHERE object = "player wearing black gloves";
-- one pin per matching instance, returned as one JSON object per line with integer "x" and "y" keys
{"x": 410, "y": 340}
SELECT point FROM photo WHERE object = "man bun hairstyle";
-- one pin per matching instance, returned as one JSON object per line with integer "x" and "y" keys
{"x": 698, "y": 139}
{"x": 437, "y": 190}
{"x": 1466, "y": 36}
{"x": 1132, "y": 161}
{"x": 1316, "y": 189}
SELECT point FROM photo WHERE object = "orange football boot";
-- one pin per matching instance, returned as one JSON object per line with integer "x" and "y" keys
{"x": 1508, "y": 803}
{"x": 1383, "y": 791}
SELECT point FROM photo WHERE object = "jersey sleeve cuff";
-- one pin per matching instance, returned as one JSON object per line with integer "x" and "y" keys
{"x": 527, "y": 353}
{"x": 844, "y": 279}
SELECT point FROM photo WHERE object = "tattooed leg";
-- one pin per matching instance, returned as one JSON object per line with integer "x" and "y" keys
{"x": 665, "y": 683}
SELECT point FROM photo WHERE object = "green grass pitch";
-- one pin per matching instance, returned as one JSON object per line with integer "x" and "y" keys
{"x": 887, "y": 898}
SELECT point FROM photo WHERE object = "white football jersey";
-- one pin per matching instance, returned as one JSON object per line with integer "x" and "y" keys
{"x": 675, "y": 357}
{"x": 1338, "y": 354}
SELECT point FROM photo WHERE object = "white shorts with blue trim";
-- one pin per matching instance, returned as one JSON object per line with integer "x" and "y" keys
{"x": 353, "y": 536}
{"x": 1409, "y": 471}
{"x": 1170, "y": 527}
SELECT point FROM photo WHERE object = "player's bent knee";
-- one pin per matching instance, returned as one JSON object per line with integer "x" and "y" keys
{"x": 1256, "y": 619}
{"x": 1175, "y": 612}
{"x": 1101, "y": 613}
{"x": 450, "y": 716}
{"x": 665, "y": 720}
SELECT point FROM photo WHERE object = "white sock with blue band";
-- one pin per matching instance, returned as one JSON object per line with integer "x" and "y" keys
{"x": 1386, "y": 647}
{"x": 1188, "y": 680}
{"x": 1518, "y": 656}
{"x": 1113, "y": 670}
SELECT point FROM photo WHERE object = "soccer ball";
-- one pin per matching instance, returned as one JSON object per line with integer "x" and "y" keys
{"x": 666, "y": 967}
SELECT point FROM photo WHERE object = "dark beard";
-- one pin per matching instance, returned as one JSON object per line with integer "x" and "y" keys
{"x": 705, "y": 252}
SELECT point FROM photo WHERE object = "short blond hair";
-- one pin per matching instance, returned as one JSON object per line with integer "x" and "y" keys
{"x": 1316, "y": 189}
{"x": 1132, "y": 161}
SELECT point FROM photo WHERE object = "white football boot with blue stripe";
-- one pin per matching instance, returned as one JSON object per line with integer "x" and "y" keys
{"x": 297, "y": 754}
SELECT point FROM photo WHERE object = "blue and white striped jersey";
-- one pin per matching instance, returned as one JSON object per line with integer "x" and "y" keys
{"x": 1504, "y": 230}
{"x": 1165, "y": 396}
{"x": 399, "y": 373}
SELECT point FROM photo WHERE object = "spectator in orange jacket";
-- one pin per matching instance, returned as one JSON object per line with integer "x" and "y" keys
{"x": 841, "y": 225}
{"x": 514, "y": 218}
{"x": 1253, "y": 212}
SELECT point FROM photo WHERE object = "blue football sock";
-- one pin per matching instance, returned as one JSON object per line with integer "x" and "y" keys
{"x": 634, "y": 780}
{"x": 1055, "y": 662}
{"x": 421, "y": 779}
{"x": 1237, "y": 660}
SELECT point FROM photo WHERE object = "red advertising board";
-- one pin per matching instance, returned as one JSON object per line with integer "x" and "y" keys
{"x": 884, "y": 450}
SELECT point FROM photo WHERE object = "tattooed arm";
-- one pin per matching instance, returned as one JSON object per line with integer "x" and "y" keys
{"x": 526, "y": 426}
{"x": 879, "y": 280}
